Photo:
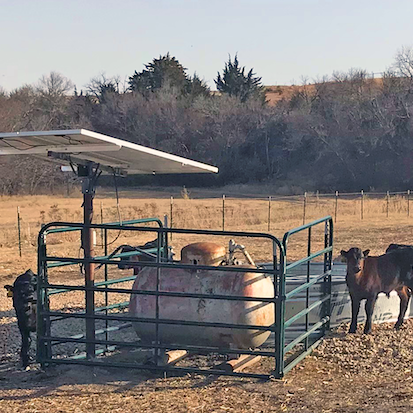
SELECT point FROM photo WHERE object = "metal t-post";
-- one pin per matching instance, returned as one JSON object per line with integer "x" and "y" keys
{"x": 87, "y": 244}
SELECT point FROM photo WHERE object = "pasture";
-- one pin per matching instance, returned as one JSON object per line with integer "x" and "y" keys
{"x": 345, "y": 374}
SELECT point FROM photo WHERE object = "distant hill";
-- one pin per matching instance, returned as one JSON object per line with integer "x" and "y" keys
{"x": 275, "y": 94}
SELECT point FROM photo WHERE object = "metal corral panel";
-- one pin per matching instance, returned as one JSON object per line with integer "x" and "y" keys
{"x": 106, "y": 151}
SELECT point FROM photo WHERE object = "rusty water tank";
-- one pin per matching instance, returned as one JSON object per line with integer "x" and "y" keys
{"x": 203, "y": 253}
{"x": 204, "y": 310}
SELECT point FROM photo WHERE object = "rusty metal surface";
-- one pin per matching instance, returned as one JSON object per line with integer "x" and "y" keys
{"x": 203, "y": 309}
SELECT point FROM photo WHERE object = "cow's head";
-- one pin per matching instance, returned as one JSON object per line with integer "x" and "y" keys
{"x": 353, "y": 257}
{"x": 130, "y": 260}
{"x": 9, "y": 289}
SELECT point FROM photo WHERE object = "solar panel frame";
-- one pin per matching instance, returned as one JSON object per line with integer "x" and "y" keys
{"x": 105, "y": 150}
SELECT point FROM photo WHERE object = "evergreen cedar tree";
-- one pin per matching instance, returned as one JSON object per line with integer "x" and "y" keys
{"x": 167, "y": 72}
{"x": 235, "y": 82}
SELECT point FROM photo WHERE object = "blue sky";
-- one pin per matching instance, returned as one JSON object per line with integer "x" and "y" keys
{"x": 282, "y": 40}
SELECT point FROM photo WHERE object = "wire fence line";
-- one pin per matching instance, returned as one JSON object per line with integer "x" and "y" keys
{"x": 255, "y": 212}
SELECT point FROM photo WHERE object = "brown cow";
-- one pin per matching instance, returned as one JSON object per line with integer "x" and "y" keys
{"x": 368, "y": 276}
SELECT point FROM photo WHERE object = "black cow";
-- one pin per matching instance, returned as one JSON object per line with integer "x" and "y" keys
{"x": 133, "y": 259}
{"x": 393, "y": 247}
{"x": 24, "y": 293}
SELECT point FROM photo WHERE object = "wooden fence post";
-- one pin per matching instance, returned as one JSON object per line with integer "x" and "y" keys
{"x": 387, "y": 204}
{"x": 408, "y": 202}
{"x": 223, "y": 212}
{"x": 101, "y": 221}
{"x": 171, "y": 208}
{"x": 29, "y": 233}
{"x": 362, "y": 206}
{"x": 304, "y": 206}
{"x": 19, "y": 231}
{"x": 336, "y": 207}
{"x": 269, "y": 214}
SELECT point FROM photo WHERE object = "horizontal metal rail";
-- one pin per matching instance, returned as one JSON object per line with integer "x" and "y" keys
{"x": 299, "y": 339}
{"x": 309, "y": 258}
{"x": 206, "y": 371}
{"x": 192, "y": 267}
{"x": 98, "y": 352}
{"x": 305, "y": 286}
{"x": 305, "y": 311}
{"x": 124, "y": 304}
{"x": 159, "y": 321}
{"x": 129, "y": 222}
{"x": 77, "y": 337}
{"x": 163, "y": 230}
{"x": 301, "y": 357}
{"x": 194, "y": 349}
{"x": 161, "y": 293}
{"x": 60, "y": 288}
{"x": 120, "y": 255}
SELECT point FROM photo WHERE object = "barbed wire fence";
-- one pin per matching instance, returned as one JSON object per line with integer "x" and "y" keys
{"x": 265, "y": 210}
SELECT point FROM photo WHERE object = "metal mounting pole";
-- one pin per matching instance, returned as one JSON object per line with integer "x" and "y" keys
{"x": 87, "y": 244}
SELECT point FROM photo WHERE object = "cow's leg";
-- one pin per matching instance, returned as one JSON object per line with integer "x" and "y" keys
{"x": 24, "y": 352}
{"x": 404, "y": 295}
{"x": 371, "y": 301}
{"x": 355, "y": 307}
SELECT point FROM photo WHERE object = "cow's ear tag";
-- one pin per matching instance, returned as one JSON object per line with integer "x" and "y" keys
{"x": 10, "y": 294}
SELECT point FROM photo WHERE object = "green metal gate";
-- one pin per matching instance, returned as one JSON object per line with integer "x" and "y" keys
{"x": 284, "y": 355}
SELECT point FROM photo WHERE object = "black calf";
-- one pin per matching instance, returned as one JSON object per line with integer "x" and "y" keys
{"x": 24, "y": 296}
{"x": 144, "y": 257}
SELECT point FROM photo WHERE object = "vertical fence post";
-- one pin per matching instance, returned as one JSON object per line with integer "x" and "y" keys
{"x": 387, "y": 204}
{"x": 269, "y": 214}
{"x": 336, "y": 207}
{"x": 223, "y": 212}
{"x": 280, "y": 314}
{"x": 19, "y": 231}
{"x": 362, "y": 200}
{"x": 105, "y": 251}
{"x": 307, "y": 291}
{"x": 29, "y": 233}
{"x": 318, "y": 198}
{"x": 68, "y": 186}
{"x": 408, "y": 202}
{"x": 171, "y": 214}
{"x": 304, "y": 206}
{"x": 101, "y": 221}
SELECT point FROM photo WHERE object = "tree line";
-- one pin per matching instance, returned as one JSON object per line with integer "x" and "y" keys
{"x": 344, "y": 132}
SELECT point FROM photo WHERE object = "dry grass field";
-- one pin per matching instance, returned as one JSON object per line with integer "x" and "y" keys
{"x": 322, "y": 383}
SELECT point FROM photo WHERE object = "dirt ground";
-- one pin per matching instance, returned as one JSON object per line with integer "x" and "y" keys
{"x": 346, "y": 373}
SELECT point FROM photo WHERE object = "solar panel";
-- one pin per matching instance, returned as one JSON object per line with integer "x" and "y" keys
{"x": 80, "y": 145}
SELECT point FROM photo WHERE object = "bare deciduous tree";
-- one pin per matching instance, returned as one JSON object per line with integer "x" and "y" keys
{"x": 54, "y": 85}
